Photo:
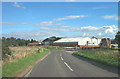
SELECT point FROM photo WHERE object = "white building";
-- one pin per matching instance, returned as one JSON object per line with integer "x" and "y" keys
{"x": 80, "y": 41}
{"x": 95, "y": 40}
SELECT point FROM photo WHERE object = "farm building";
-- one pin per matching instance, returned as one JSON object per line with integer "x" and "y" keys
{"x": 50, "y": 40}
{"x": 80, "y": 42}
{"x": 95, "y": 41}
{"x": 34, "y": 44}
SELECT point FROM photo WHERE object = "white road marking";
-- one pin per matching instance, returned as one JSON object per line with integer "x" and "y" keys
{"x": 61, "y": 58}
{"x": 44, "y": 57}
{"x": 68, "y": 66}
{"x": 28, "y": 73}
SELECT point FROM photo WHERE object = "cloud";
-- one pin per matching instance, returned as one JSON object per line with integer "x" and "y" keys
{"x": 58, "y": 24}
{"x": 110, "y": 29}
{"x": 100, "y": 34}
{"x": 29, "y": 35}
{"x": 24, "y": 23}
{"x": 55, "y": 29}
{"x": 60, "y": 19}
{"x": 103, "y": 31}
{"x": 87, "y": 29}
{"x": 90, "y": 28}
{"x": 23, "y": 7}
{"x": 85, "y": 34}
{"x": 114, "y": 17}
{"x": 50, "y": 23}
{"x": 107, "y": 29}
{"x": 62, "y": 25}
{"x": 74, "y": 17}
{"x": 18, "y": 5}
{"x": 8, "y": 23}
{"x": 71, "y": 17}
{"x": 12, "y": 23}
{"x": 65, "y": 26}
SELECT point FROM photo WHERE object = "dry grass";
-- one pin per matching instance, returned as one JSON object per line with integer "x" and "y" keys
{"x": 20, "y": 52}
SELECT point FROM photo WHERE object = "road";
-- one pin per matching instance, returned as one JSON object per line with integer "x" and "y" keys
{"x": 62, "y": 64}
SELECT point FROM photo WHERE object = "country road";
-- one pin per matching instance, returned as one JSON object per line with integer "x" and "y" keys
{"x": 62, "y": 64}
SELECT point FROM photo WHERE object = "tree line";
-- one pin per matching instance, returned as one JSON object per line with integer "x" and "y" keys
{"x": 16, "y": 41}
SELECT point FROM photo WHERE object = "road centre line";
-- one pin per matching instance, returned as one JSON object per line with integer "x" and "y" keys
{"x": 61, "y": 58}
{"x": 68, "y": 66}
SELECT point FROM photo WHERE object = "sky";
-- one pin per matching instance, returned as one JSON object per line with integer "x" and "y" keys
{"x": 39, "y": 20}
{"x": 60, "y": 0}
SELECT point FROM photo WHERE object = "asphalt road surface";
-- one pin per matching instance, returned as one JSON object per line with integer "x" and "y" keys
{"x": 62, "y": 64}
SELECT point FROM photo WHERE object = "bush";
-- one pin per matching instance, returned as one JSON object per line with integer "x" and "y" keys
{"x": 5, "y": 51}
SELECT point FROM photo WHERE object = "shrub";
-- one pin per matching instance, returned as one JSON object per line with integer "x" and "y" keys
{"x": 5, "y": 51}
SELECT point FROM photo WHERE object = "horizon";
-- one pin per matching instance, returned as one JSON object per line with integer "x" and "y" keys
{"x": 59, "y": 37}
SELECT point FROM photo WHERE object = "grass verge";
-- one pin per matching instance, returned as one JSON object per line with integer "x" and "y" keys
{"x": 11, "y": 69}
{"x": 106, "y": 56}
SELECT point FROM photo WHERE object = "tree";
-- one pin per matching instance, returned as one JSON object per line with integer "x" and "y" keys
{"x": 33, "y": 41}
{"x": 27, "y": 41}
{"x": 117, "y": 37}
{"x": 13, "y": 41}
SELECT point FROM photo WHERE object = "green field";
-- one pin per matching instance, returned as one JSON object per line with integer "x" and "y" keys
{"x": 106, "y": 56}
{"x": 12, "y": 68}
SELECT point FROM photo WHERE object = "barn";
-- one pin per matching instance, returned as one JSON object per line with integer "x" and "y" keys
{"x": 79, "y": 41}
{"x": 70, "y": 42}
{"x": 49, "y": 41}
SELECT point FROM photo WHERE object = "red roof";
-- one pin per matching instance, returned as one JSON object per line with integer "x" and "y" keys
{"x": 35, "y": 43}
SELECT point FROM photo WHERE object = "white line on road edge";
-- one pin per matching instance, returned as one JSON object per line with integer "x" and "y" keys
{"x": 44, "y": 57}
{"x": 28, "y": 73}
{"x": 68, "y": 66}
{"x": 61, "y": 58}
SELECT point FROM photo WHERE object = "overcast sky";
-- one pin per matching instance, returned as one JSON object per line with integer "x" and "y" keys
{"x": 39, "y": 20}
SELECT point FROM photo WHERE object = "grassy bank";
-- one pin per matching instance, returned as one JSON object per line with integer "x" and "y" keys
{"x": 12, "y": 68}
{"x": 106, "y": 56}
